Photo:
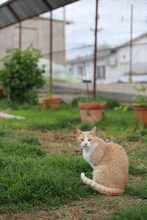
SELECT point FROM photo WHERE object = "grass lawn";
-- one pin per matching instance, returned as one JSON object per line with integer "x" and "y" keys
{"x": 40, "y": 166}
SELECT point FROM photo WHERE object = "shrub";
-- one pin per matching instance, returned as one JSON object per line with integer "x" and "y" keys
{"x": 111, "y": 103}
{"x": 141, "y": 99}
{"x": 21, "y": 74}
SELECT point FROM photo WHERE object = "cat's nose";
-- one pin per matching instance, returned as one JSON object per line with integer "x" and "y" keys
{"x": 85, "y": 144}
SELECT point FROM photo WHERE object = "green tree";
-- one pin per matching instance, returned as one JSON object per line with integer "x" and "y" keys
{"x": 20, "y": 73}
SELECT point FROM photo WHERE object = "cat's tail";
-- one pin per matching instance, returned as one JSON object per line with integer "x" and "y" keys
{"x": 100, "y": 188}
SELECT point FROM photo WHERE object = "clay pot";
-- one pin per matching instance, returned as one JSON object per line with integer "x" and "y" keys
{"x": 92, "y": 112}
{"x": 49, "y": 103}
{"x": 140, "y": 113}
{"x": 42, "y": 103}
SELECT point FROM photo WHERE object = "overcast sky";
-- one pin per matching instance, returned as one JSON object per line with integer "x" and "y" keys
{"x": 113, "y": 23}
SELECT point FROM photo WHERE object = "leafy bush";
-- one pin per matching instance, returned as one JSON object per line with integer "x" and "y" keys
{"x": 21, "y": 74}
{"x": 111, "y": 103}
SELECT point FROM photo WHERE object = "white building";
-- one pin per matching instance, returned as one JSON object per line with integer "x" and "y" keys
{"x": 114, "y": 65}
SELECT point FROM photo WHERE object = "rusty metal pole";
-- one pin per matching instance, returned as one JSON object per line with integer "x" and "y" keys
{"x": 51, "y": 51}
{"x": 20, "y": 35}
{"x": 131, "y": 49}
{"x": 95, "y": 50}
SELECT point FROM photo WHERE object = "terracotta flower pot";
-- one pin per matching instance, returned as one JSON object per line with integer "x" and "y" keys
{"x": 51, "y": 103}
{"x": 140, "y": 113}
{"x": 92, "y": 112}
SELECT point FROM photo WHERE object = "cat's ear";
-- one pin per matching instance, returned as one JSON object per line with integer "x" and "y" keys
{"x": 78, "y": 131}
{"x": 93, "y": 131}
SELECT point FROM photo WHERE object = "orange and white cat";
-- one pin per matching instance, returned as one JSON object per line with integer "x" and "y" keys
{"x": 108, "y": 160}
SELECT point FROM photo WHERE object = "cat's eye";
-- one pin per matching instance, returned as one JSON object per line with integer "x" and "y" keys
{"x": 89, "y": 139}
{"x": 82, "y": 139}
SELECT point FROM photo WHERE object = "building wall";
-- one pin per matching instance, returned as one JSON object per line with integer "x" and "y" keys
{"x": 117, "y": 65}
{"x": 35, "y": 31}
{"x": 88, "y": 69}
{"x": 140, "y": 56}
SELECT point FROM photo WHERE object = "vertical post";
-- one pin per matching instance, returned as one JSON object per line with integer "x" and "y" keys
{"x": 51, "y": 51}
{"x": 95, "y": 50}
{"x": 87, "y": 87}
{"x": 131, "y": 49}
{"x": 64, "y": 23}
{"x": 20, "y": 35}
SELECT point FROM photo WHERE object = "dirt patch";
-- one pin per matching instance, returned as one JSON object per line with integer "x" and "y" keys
{"x": 57, "y": 142}
{"x": 26, "y": 216}
{"x": 85, "y": 209}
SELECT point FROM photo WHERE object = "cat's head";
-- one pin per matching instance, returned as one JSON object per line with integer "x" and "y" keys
{"x": 87, "y": 138}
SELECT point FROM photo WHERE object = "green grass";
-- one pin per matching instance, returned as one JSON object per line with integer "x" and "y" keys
{"x": 30, "y": 139}
{"x": 51, "y": 180}
{"x": 30, "y": 176}
{"x": 32, "y": 179}
{"x": 137, "y": 213}
{"x": 136, "y": 170}
{"x": 65, "y": 117}
{"x": 116, "y": 122}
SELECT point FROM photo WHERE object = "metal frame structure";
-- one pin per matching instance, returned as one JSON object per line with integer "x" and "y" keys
{"x": 15, "y": 11}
